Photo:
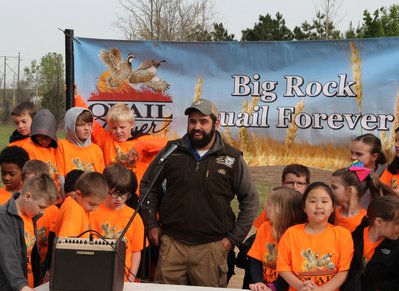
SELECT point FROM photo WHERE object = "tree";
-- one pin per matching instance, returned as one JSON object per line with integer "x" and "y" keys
{"x": 268, "y": 29}
{"x": 218, "y": 33}
{"x": 382, "y": 23}
{"x": 31, "y": 79}
{"x": 174, "y": 20}
{"x": 52, "y": 80}
{"x": 323, "y": 26}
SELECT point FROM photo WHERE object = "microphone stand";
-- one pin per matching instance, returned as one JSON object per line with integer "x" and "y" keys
{"x": 159, "y": 167}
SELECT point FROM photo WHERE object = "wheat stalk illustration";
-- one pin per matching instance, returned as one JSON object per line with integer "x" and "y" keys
{"x": 292, "y": 129}
{"x": 357, "y": 74}
{"x": 198, "y": 88}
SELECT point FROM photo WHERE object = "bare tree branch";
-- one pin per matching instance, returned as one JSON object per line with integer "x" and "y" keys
{"x": 174, "y": 20}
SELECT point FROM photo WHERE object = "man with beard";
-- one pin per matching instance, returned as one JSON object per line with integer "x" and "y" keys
{"x": 189, "y": 213}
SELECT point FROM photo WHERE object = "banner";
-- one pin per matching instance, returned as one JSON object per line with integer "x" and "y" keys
{"x": 279, "y": 102}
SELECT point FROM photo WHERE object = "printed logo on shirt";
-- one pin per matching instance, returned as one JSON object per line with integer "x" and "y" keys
{"x": 394, "y": 183}
{"x": 317, "y": 268}
{"x": 29, "y": 241}
{"x": 128, "y": 159}
{"x": 41, "y": 236}
{"x": 81, "y": 165}
{"x": 225, "y": 160}
{"x": 269, "y": 263}
{"x": 110, "y": 232}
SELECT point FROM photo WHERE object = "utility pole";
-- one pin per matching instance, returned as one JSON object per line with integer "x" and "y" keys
{"x": 4, "y": 92}
{"x": 19, "y": 69}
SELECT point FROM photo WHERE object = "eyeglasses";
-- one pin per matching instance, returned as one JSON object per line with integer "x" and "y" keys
{"x": 116, "y": 195}
{"x": 292, "y": 184}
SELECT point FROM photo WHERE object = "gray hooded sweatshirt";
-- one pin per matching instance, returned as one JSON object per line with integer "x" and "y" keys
{"x": 70, "y": 126}
{"x": 44, "y": 123}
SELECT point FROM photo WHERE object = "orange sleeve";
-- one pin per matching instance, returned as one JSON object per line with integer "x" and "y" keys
{"x": 99, "y": 164}
{"x": 72, "y": 220}
{"x": 4, "y": 195}
{"x": 21, "y": 143}
{"x": 345, "y": 248}
{"x": 284, "y": 259}
{"x": 386, "y": 177}
{"x": 153, "y": 144}
{"x": 59, "y": 158}
{"x": 80, "y": 102}
{"x": 260, "y": 219}
{"x": 137, "y": 234}
{"x": 258, "y": 248}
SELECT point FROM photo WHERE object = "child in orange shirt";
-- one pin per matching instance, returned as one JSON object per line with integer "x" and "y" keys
{"x": 122, "y": 144}
{"x": 113, "y": 215}
{"x": 375, "y": 263}
{"x": 46, "y": 223}
{"x": 22, "y": 116}
{"x": 367, "y": 148}
{"x": 316, "y": 253}
{"x": 349, "y": 185}
{"x": 12, "y": 159}
{"x": 43, "y": 141}
{"x": 73, "y": 218}
{"x": 77, "y": 151}
{"x": 18, "y": 248}
{"x": 294, "y": 176}
{"x": 284, "y": 209}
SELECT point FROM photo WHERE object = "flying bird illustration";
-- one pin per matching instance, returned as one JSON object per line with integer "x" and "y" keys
{"x": 146, "y": 74}
{"x": 120, "y": 69}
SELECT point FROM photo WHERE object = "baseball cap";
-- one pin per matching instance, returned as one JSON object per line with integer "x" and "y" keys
{"x": 204, "y": 106}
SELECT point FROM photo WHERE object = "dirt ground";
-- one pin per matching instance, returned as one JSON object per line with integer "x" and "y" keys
{"x": 272, "y": 175}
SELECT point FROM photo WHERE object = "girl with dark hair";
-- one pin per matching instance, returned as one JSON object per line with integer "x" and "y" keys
{"x": 349, "y": 185}
{"x": 375, "y": 263}
{"x": 316, "y": 253}
{"x": 367, "y": 148}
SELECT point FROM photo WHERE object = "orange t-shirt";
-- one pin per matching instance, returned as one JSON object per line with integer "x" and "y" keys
{"x": 30, "y": 241}
{"x": 264, "y": 249}
{"x": 72, "y": 219}
{"x": 350, "y": 223}
{"x": 21, "y": 143}
{"x": 260, "y": 219}
{"x": 45, "y": 224}
{"x": 392, "y": 180}
{"x": 5, "y": 195}
{"x": 136, "y": 154}
{"x": 316, "y": 257}
{"x": 46, "y": 155}
{"x": 110, "y": 223}
{"x": 70, "y": 157}
{"x": 368, "y": 246}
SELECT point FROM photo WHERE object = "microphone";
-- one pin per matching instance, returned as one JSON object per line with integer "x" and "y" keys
{"x": 171, "y": 149}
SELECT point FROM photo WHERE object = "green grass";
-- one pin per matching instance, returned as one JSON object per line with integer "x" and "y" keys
{"x": 263, "y": 191}
{"x": 5, "y": 132}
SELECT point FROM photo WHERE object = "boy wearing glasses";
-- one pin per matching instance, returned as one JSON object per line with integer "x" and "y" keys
{"x": 294, "y": 176}
{"x": 112, "y": 216}
{"x": 73, "y": 218}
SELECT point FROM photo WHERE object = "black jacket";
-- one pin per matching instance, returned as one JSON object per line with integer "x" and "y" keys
{"x": 15, "y": 136}
{"x": 13, "y": 253}
{"x": 381, "y": 272}
{"x": 195, "y": 207}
